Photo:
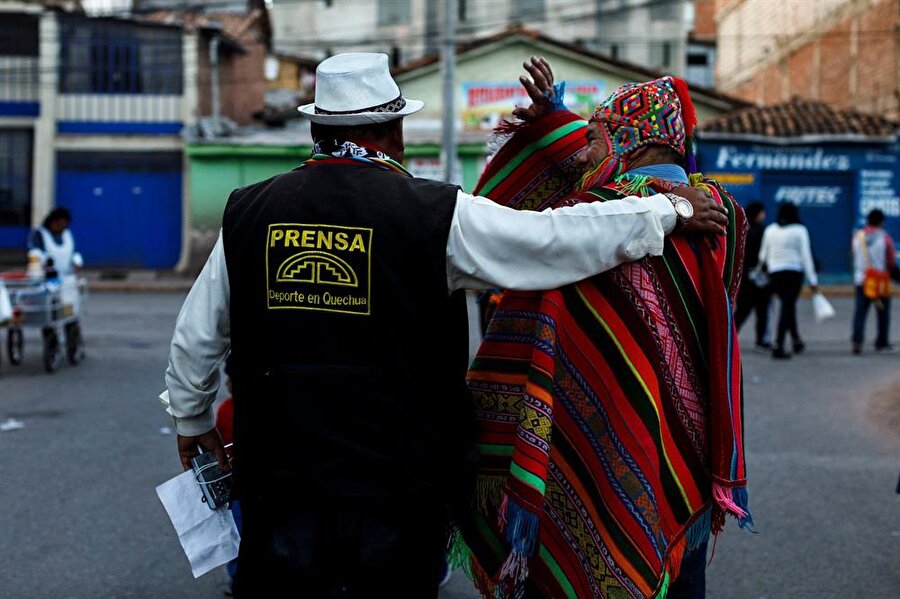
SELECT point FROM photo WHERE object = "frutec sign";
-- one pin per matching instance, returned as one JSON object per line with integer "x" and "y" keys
{"x": 814, "y": 195}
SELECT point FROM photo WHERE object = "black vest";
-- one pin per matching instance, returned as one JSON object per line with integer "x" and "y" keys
{"x": 348, "y": 354}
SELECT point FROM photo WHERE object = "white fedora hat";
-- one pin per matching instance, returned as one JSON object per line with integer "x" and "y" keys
{"x": 356, "y": 88}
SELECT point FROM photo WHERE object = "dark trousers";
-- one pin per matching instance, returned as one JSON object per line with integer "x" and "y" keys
{"x": 882, "y": 315}
{"x": 332, "y": 553}
{"x": 752, "y": 298}
{"x": 786, "y": 284}
{"x": 691, "y": 581}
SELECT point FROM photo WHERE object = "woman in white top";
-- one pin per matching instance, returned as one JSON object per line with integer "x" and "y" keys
{"x": 787, "y": 256}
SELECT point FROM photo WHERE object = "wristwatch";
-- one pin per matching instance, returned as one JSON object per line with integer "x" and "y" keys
{"x": 684, "y": 210}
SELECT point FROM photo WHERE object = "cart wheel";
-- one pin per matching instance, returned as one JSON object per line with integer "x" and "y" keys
{"x": 15, "y": 345}
{"x": 74, "y": 343}
{"x": 53, "y": 356}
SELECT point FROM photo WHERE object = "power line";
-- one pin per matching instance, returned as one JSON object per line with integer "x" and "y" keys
{"x": 428, "y": 35}
{"x": 435, "y": 33}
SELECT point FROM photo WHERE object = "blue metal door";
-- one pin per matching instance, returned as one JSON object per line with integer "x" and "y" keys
{"x": 826, "y": 208}
{"x": 126, "y": 207}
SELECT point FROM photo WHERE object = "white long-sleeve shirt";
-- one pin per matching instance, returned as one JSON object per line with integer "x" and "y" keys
{"x": 787, "y": 248}
{"x": 488, "y": 246}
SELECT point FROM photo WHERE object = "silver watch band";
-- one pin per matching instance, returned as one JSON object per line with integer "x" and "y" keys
{"x": 674, "y": 198}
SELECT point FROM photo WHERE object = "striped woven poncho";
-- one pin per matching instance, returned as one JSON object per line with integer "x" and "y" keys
{"x": 609, "y": 411}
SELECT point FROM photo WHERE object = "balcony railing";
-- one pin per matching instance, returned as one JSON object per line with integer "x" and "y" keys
{"x": 19, "y": 86}
{"x": 119, "y": 113}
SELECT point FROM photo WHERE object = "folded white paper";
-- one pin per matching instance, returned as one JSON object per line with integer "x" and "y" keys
{"x": 209, "y": 537}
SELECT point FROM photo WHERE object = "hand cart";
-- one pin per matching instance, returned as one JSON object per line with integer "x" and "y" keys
{"x": 52, "y": 305}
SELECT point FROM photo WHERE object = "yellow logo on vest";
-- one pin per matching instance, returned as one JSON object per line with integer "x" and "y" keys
{"x": 319, "y": 267}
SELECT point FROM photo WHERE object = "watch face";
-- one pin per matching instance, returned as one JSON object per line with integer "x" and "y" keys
{"x": 684, "y": 209}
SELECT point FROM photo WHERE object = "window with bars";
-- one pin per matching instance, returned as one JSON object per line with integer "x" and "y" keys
{"x": 394, "y": 12}
{"x": 106, "y": 57}
{"x": 529, "y": 9}
{"x": 15, "y": 177}
{"x": 661, "y": 55}
{"x": 665, "y": 11}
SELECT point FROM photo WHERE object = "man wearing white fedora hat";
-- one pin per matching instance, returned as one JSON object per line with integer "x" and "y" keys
{"x": 334, "y": 287}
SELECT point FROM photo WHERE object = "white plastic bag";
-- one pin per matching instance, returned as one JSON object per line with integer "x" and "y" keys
{"x": 822, "y": 308}
{"x": 759, "y": 277}
{"x": 6, "y": 309}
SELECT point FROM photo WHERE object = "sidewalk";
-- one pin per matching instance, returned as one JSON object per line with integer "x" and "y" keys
{"x": 137, "y": 281}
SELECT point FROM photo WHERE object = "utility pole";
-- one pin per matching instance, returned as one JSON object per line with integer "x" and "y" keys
{"x": 448, "y": 76}
{"x": 214, "y": 83}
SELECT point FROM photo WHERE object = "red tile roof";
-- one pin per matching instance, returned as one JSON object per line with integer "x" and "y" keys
{"x": 233, "y": 25}
{"x": 800, "y": 118}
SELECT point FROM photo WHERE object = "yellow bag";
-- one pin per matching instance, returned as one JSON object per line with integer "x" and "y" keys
{"x": 876, "y": 284}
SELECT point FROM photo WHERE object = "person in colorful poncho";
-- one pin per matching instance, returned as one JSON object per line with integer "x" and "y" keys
{"x": 610, "y": 430}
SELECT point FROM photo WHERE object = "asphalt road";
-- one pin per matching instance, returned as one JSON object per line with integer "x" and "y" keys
{"x": 80, "y": 517}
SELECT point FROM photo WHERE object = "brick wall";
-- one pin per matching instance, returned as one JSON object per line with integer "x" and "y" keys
{"x": 800, "y": 70}
{"x": 847, "y": 58}
{"x": 204, "y": 96}
{"x": 705, "y": 19}
{"x": 243, "y": 82}
{"x": 836, "y": 66}
{"x": 877, "y": 77}
{"x": 773, "y": 84}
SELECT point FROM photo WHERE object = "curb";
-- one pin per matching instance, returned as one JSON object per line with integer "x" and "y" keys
{"x": 140, "y": 286}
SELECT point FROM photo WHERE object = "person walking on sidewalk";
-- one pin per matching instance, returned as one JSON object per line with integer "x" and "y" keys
{"x": 755, "y": 293}
{"x": 334, "y": 286}
{"x": 874, "y": 264}
{"x": 786, "y": 255}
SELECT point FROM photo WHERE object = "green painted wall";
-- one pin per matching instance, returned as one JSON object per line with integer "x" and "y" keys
{"x": 216, "y": 170}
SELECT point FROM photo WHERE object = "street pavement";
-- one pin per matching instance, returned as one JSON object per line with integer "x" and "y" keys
{"x": 80, "y": 517}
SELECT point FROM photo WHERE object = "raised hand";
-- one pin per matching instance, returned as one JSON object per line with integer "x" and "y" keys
{"x": 539, "y": 87}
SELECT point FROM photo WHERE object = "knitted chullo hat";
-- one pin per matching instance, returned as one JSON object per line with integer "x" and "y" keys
{"x": 639, "y": 114}
{"x": 636, "y": 115}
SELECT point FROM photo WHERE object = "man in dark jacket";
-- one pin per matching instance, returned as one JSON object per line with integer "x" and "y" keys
{"x": 755, "y": 294}
{"x": 334, "y": 287}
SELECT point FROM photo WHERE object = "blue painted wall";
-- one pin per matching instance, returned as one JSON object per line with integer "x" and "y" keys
{"x": 126, "y": 208}
{"x": 118, "y": 128}
{"x": 834, "y": 185}
{"x": 20, "y": 108}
